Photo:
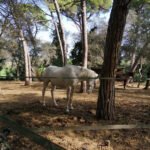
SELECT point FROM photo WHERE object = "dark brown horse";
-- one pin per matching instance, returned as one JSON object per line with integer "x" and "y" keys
{"x": 120, "y": 75}
{"x": 124, "y": 77}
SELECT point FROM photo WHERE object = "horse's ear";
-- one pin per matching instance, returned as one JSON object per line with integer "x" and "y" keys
{"x": 97, "y": 76}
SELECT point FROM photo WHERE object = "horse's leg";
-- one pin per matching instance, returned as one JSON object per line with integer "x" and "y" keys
{"x": 68, "y": 98}
{"x": 95, "y": 84}
{"x": 52, "y": 93}
{"x": 124, "y": 83}
{"x": 45, "y": 84}
{"x": 71, "y": 97}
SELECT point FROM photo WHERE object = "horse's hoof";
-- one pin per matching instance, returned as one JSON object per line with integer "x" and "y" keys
{"x": 55, "y": 104}
{"x": 71, "y": 107}
{"x": 67, "y": 111}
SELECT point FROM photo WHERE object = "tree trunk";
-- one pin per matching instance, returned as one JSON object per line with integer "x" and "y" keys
{"x": 29, "y": 69}
{"x": 26, "y": 59}
{"x": 59, "y": 39}
{"x": 148, "y": 79}
{"x": 147, "y": 84}
{"x": 106, "y": 99}
{"x": 84, "y": 41}
{"x": 135, "y": 64}
{"x": 133, "y": 57}
{"x": 62, "y": 31}
{"x": 58, "y": 35}
{"x": 140, "y": 73}
{"x": 140, "y": 55}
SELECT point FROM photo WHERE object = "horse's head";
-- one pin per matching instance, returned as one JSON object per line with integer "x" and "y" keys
{"x": 91, "y": 82}
{"x": 90, "y": 76}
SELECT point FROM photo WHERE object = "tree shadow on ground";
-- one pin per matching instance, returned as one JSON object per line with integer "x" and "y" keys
{"x": 34, "y": 114}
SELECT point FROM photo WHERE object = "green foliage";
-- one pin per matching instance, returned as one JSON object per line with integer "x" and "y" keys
{"x": 97, "y": 4}
{"x": 137, "y": 4}
{"x": 72, "y": 8}
{"x": 96, "y": 43}
{"x": 65, "y": 5}
{"x": 34, "y": 12}
{"x": 29, "y": 11}
{"x": 43, "y": 54}
{"x": 39, "y": 71}
{"x": 138, "y": 35}
{"x": 76, "y": 54}
{"x": 57, "y": 60}
{"x": 8, "y": 73}
{"x": 125, "y": 63}
{"x": 69, "y": 61}
{"x": 24, "y": 16}
{"x": 2, "y": 60}
{"x": 145, "y": 70}
{"x": 12, "y": 55}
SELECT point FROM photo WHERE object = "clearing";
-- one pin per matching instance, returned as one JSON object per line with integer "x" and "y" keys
{"x": 21, "y": 104}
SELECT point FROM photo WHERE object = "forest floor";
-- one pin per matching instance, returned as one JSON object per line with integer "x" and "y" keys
{"x": 21, "y": 104}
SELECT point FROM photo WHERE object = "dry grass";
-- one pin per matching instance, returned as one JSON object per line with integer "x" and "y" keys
{"x": 21, "y": 103}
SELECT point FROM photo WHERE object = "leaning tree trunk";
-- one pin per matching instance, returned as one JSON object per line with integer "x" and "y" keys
{"x": 106, "y": 99}
{"x": 136, "y": 62}
{"x": 133, "y": 57}
{"x": 29, "y": 68}
{"x": 84, "y": 41}
{"x": 59, "y": 39}
{"x": 62, "y": 31}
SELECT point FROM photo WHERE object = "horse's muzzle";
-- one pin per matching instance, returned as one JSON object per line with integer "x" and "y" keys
{"x": 89, "y": 91}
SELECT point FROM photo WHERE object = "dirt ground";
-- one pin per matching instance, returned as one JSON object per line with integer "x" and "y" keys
{"x": 21, "y": 104}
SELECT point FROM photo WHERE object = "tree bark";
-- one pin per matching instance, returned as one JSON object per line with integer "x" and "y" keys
{"x": 26, "y": 59}
{"x": 29, "y": 68}
{"x": 148, "y": 79}
{"x": 84, "y": 41}
{"x": 59, "y": 39}
{"x": 62, "y": 31}
{"x": 133, "y": 57}
{"x": 106, "y": 98}
{"x": 147, "y": 84}
{"x": 140, "y": 55}
{"x": 140, "y": 73}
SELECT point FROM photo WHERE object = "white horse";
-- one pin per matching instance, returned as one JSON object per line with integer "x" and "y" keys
{"x": 67, "y": 77}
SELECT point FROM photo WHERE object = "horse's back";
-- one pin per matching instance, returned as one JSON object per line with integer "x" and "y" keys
{"x": 62, "y": 76}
